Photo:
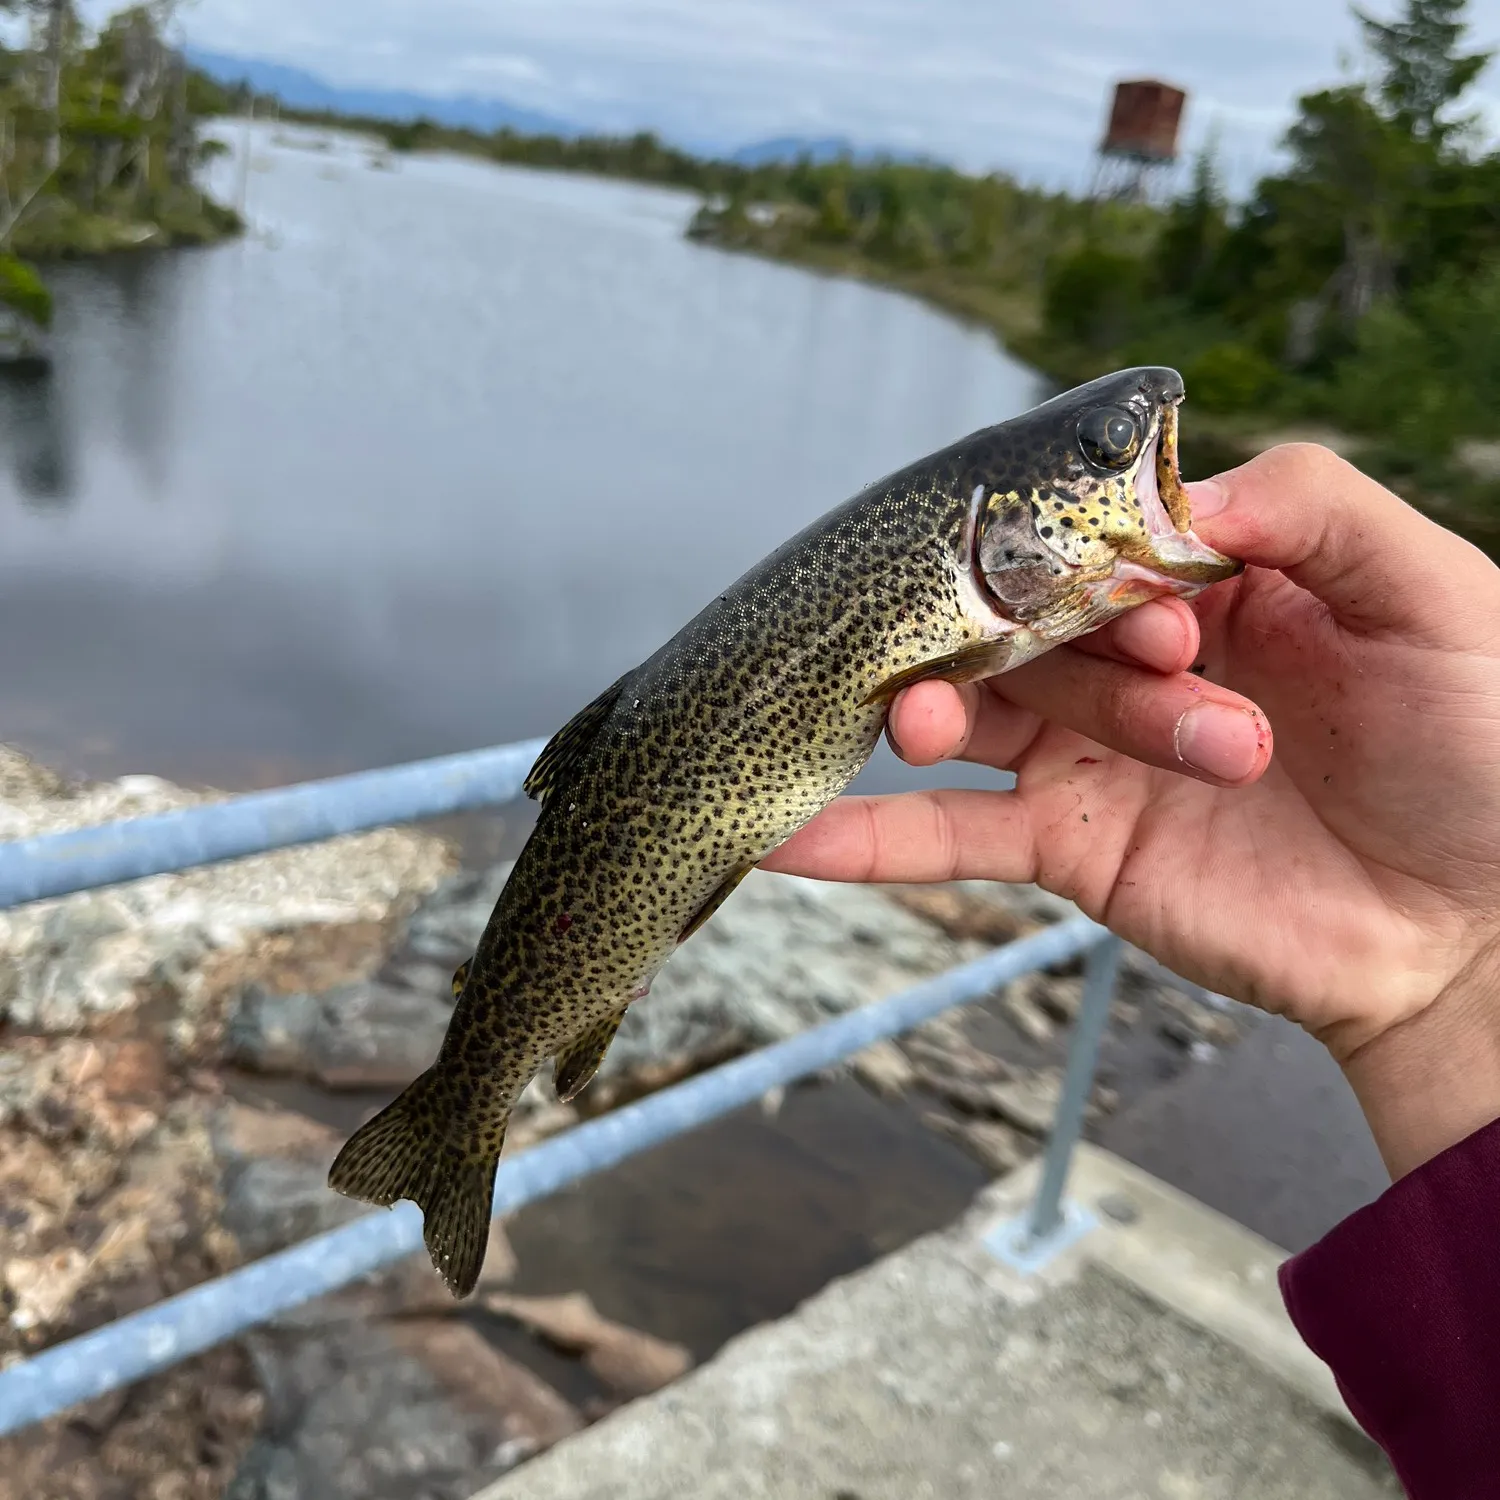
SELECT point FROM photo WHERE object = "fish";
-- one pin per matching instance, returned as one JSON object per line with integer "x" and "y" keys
{"x": 662, "y": 794}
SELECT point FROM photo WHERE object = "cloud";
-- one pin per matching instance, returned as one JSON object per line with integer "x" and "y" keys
{"x": 1022, "y": 88}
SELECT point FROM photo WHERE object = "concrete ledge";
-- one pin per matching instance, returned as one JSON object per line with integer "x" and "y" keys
{"x": 1152, "y": 1358}
{"x": 1192, "y": 1260}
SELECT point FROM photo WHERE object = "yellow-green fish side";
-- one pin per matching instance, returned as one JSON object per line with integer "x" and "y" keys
{"x": 664, "y": 792}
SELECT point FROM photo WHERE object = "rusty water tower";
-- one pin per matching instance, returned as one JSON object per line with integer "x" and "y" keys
{"x": 1139, "y": 147}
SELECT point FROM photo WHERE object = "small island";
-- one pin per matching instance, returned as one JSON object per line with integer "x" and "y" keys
{"x": 99, "y": 149}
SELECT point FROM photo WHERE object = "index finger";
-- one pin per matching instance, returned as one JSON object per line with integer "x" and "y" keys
{"x": 1379, "y": 564}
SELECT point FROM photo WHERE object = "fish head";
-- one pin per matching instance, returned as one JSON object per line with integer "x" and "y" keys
{"x": 1080, "y": 508}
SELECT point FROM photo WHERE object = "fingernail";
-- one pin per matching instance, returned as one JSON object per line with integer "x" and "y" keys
{"x": 1207, "y": 497}
{"x": 890, "y": 734}
{"x": 1219, "y": 741}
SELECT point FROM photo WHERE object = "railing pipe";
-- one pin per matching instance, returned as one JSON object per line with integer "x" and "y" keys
{"x": 83, "y": 859}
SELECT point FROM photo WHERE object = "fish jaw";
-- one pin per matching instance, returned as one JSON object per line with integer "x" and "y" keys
{"x": 1172, "y": 558}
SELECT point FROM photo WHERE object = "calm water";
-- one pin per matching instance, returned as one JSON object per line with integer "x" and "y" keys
{"x": 424, "y": 462}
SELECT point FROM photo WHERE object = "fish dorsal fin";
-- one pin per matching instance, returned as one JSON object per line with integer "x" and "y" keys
{"x": 461, "y": 977}
{"x": 577, "y": 1063}
{"x": 570, "y": 742}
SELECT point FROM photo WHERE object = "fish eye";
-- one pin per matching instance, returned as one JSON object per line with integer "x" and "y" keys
{"x": 1109, "y": 437}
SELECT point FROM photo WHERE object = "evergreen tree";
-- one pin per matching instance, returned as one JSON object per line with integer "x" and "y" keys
{"x": 1424, "y": 70}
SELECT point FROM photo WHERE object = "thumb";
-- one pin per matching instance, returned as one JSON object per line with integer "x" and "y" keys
{"x": 1375, "y": 561}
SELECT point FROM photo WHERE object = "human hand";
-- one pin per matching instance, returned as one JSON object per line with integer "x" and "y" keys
{"x": 1351, "y": 882}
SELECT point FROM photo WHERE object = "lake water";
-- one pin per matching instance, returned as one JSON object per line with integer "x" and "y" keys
{"x": 424, "y": 461}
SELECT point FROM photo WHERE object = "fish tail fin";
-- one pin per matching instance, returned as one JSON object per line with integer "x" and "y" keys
{"x": 403, "y": 1152}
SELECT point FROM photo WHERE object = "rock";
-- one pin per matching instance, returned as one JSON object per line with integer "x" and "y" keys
{"x": 1028, "y": 1103}
{"x": 70, "y": 960}
{"x": 42, "y": 1290}
{"x": 995, "y": 1145}
{"x": 1059, "y": 998}
{"x": 389, "y": 1412}
{"x": 531, "y": 1414}
{"x": 370, "y": 1034}
{"x": 967, "y": 1094}
{"x": 884, "y": 1068}
{"x": 1176, "y": 1029}
{"x": 781, "y": 955}
{"x": 23, "y": 780}
{"x": 956, "y": 1058}
{"x": 446, "y": 927}
{"x": 270, "y": 1033}
{"x": 973, "y": 911}
{"x": 75, "y": 1088}
{"x": 241, "y": 1132}
{"x": 270, "y": 1204}
{"x": 1021, "y": 1006}
{"x": 177, "y": 1436}
{"x": 634, "y": 1363}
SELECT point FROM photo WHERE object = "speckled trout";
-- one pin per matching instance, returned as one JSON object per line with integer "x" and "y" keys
{"x": 662, "y": 794}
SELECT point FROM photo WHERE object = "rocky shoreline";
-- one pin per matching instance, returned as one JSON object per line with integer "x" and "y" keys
{"x": 141, "y": 1156}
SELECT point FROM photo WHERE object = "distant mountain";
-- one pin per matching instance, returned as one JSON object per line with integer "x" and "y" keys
{"x": 303, "y": 90}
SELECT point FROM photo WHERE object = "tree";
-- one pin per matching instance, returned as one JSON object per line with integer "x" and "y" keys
{"x": 1425, "y": 73}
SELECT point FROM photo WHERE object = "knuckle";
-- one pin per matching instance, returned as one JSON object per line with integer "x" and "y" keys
{"x": 1318, "y": 461}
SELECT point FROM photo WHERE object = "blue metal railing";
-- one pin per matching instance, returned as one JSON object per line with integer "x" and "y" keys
{"x": 83, "y": 859}
{"x": 163, "y": 1335}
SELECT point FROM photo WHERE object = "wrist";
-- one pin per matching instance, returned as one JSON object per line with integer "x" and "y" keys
{"x": 1434, "y": 1079}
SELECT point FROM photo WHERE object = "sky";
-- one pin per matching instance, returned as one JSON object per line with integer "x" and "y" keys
{"x": 1019, "y": 85}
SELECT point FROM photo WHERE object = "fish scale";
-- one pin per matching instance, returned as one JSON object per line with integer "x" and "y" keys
{"x": 660, "y": 795}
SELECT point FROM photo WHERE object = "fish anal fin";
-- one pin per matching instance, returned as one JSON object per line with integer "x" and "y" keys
{"x": 714, "y": 902}
{"x": 564, "y": 749}
{"x": 577, "y": 1063}
{"x": 967, "y": 664}
{"x": 404, "y": 1152}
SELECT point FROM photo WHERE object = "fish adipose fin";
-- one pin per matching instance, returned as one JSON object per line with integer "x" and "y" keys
{"x": 714, "y": 902}
{"x": 402, "y": 1153}
{"x": 461, "y": 977}
{"x": 571, "y": 742}
{"x": 576, "y": 1064}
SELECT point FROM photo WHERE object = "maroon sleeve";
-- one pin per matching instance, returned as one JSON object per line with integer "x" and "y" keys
{"x": 1402, "y": 1301}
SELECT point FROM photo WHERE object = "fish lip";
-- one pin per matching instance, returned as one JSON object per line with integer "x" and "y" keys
{"x": 1167, "y": 471}
{"x": 1174, "y": 559}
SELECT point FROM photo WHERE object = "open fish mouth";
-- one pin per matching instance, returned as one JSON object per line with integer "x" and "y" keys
{"x": 1173, "y": 560}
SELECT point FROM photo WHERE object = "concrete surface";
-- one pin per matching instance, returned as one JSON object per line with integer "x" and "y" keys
{"x": 1153, "y": 1359}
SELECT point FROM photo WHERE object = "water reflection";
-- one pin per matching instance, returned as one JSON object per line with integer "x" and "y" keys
{"x": 33, "y": 438}
{"x": 426, "y": 460}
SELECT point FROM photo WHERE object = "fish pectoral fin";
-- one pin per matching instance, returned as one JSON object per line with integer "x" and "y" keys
{"x": 461, "y": 977}
{"x": 967, "y": 664}
{"x": 407, "y": 1151}
{"x": 576, "y": 1065}
{"x": 714, "y": 902}
{"x": 563, "y": 750}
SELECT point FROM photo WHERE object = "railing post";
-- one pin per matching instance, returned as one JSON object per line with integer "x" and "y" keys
{"x": 1032, "y": 1240}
